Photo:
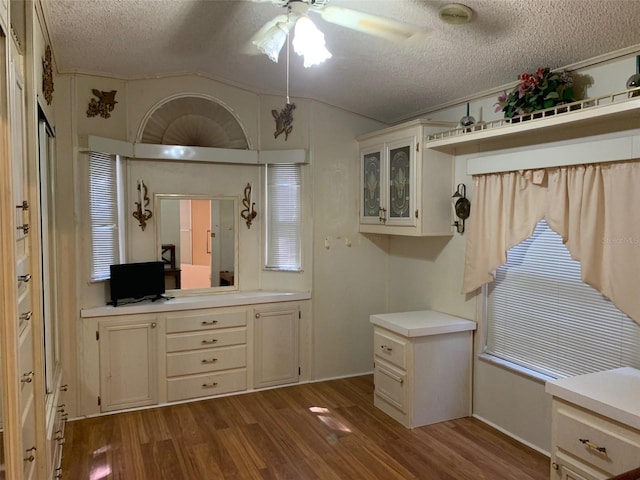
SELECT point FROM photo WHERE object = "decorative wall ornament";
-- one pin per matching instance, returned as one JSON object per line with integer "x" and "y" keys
{"x": 142, "y": 213}
{"x": 284, "y": 120}
{"x": 47, "y": 76}
{"x": 249, "y": 212}
{"x": 104, "y": 105}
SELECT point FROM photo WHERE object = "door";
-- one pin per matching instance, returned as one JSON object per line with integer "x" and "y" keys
{"x": 401, "y": 188}
{"x": 276, "y": 345}
{"x": 371, "y": 200}
{"x": 128, "y": 363}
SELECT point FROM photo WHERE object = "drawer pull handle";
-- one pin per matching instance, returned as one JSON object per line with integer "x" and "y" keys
{"x": 61, "y": 408}
{"x": 212, "y": 322}
{"x": 24, "y": 228}
{"x": 209, "y": 342}
{"x": 27, "y": 377}
{"x": 213, "y": 360}
{"x": 24, "y": 205}
{"x": 210, "y": 385}
{"x": 26, "y": 316}
{"x": 592, "y": 446}
{"x": 386, "y": 349}
{"x": 64, "y": 388}
{"x": 31, "y": 456}
{"x": 24, "y": 278}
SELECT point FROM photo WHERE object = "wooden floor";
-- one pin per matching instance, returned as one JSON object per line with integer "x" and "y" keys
{"x": 327, "y": 430}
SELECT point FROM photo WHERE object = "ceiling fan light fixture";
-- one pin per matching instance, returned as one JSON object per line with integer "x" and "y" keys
{"x": 273, "y": 40}
{"x": 308, "y": 41}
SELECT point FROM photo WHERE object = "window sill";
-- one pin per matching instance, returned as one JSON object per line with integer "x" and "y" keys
{"x": 517, "y": 369}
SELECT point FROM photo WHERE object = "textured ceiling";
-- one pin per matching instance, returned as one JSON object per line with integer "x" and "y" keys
{"x": 374, "y": 77}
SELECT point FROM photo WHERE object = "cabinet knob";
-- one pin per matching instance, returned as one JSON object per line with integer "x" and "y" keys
{"x": 24, "y": 227}
{"x": 153, "y": 325}
{"x": 26, "y": 316}
{"x": 64, "y": 388}
{"x": 386, "y": 349}
{"x": 555, "y": 466}
{"x": 27, "y": 377}
{"x": 31, "y": 457}
{"x": 24, "y": 205}
{"x": 257, "y": 315}
{"x": 24, "y": 278}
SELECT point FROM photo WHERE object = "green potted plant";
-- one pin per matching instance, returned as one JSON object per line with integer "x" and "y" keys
{"x": 544, "y": 89}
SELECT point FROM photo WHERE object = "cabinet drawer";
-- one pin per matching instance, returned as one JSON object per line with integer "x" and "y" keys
{"x": 215, "y": 338}
{"x": 203, "y": 385}
{"x": 206, "y": 320}
{"x": 391, "y": 348}
{"x": 206, "y": 360}
{"x": 390, "y": 386}
{"x": 582, "y": 433}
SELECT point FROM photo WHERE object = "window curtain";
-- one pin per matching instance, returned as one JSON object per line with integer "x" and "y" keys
{"x": 594, "y": 208}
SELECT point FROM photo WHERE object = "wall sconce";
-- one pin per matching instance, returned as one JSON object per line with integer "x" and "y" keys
{"x": 249, "y": 212}
{"x": 462, "y": 207}
{"x": 143, "y": 201}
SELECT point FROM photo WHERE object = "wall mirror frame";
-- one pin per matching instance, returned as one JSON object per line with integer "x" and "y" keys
{"x": 197, "y": 237}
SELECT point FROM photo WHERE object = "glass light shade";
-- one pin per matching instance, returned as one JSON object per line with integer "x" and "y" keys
{"x": 308, "y": 41}
{"x": 272, "y": 41}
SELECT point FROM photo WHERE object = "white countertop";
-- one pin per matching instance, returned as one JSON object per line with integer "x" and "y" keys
{"x": 196, "y": 301}
{"x": 613, "y": 393}
{"x": 422, "y": 323}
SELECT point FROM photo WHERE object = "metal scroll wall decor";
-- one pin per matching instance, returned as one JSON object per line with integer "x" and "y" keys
{"x": 47, "y": 76}
{"x": 249, "y": 212}
{"x": 142, "y": 213}
{"x": 104, "y": 105}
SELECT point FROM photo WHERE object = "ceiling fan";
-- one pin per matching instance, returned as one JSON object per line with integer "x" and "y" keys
{"x": 308, "y": 40}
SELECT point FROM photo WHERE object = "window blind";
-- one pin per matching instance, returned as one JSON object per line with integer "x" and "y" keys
{"x": 283, "y": 217}
{"x": 103, "y": 214}
{"x": 540, "y": 315}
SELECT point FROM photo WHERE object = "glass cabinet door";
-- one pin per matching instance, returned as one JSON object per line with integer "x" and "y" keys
{"x": 401, "y": 174}
{"x": 371, "y": 201}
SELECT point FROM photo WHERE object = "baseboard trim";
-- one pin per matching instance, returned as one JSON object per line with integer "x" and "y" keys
{"x": 515, "y": 437}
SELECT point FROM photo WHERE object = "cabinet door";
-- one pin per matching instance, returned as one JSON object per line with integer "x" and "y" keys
{"x": 371, "y": 191}
{"x": 401, "y": 187}
{"x": 276, "y": 345}
{"x": 128, "y": 364}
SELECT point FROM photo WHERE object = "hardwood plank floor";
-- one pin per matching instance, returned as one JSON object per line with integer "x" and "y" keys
{"x": 324, "y": 431}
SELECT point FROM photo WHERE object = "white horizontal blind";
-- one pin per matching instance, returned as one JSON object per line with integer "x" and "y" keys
{"x": 103, "y": 214}
{"x": 283, "y": 217}
{"x": 543, "y": 317}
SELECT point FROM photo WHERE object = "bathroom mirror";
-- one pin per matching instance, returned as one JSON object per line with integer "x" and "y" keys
{"x": 197, "y": 239}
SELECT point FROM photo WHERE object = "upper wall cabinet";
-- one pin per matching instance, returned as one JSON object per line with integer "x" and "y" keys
{"x": 404, "y": 188}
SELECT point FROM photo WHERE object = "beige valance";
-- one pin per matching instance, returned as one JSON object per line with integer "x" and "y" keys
{"x": 595, "y": 208}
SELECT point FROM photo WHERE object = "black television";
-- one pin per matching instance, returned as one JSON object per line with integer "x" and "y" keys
{"x": 135, "y": 281}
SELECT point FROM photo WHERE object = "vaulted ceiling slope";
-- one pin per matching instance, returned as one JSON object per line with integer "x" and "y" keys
{"x": 385, "y": 80}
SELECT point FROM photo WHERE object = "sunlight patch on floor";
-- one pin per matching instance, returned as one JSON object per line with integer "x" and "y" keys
{"x": 103, "y": 470}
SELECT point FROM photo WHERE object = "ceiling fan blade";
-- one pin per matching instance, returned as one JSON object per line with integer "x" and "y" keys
{"x": 371, "y": 24}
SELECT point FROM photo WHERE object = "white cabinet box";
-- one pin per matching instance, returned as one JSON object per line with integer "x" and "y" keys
{"x": 405, "y": 189}
{"x": 595, "y": 431}
{"x": 422, "y": 366}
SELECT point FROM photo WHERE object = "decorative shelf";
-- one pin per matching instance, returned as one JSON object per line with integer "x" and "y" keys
{"x": 613, "y": 112}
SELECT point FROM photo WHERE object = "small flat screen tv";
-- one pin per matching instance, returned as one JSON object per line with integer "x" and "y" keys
{"x": 135, "y": 281}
